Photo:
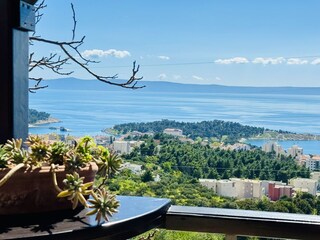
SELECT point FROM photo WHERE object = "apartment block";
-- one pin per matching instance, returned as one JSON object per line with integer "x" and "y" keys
{"x": 265, "y": 186}
{"x": 226, "y": 188}
{"x": 313, "y": 163}
{"x": 121, "y": 147}
{"x": 235, "y": 187}
{"x": 273, "y": 147}
{"x": 278, "y": 191}
{"x": 173, "y": 132}
{"x": 247, "y": 188}
{"x": 304, "y": 185}
{"x": 315, "y": 176}
{"x": 209, "y": 183}
{"x": 295, "y": 151}
{"x": 125, "y": 147}
{"x": 135, "y": 168}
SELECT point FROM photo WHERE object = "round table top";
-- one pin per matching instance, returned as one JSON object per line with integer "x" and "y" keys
{"x": 136, "y": 215}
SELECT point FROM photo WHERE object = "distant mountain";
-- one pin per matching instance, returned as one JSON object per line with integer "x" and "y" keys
{"x": 79, "y": 84}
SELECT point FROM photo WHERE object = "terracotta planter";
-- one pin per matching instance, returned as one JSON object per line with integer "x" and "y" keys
{"x": 34, "y": 192}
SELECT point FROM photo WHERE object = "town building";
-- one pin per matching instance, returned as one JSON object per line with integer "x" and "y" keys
{"x": 295, "y": 151}
{"x": 125, "y": 147}
{"x": 315, "y": 176}
{"x": 313, "y": 163}
{"x": 236, "y": 147}
{"x": 273, "y": 147}
{"x": 121, "y": 147}
{"x": 265, "y": 186}
{"x": 209, "y": 183}
{"x": 135, "y": 168}
{"x": 103, "y": 140}
{"x": 304, "y": 185}
{"x": 247, "y": 188}
{"x": 277, "y": 191}
{"x": 301, "y": 160}
{"x": 226, "y": 188}
{"x": 173, "y": 132}
{"x": 235, "y": 187}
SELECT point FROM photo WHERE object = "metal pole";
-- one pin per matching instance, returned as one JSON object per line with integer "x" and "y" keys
{"x": 15, "y": 21}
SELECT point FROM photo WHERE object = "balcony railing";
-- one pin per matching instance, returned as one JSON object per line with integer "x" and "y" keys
{"x": 140, "y": 214}
{"x": 234, "y": 222}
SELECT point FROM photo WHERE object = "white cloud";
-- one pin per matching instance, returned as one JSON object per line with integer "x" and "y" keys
{"x": 296, "y": 61}
{"x": 164, "y": 57}
{"x": 266, "y": 61}
{"x": 236, "y": 60}
{"x": 316, "y": 61}
{"x": 218, "y": 79}
{"x": 162, "y": 76}
{"x": 176, "y": 77}
{"x": 197, "y": 78}
{"x": 96, "y": 53}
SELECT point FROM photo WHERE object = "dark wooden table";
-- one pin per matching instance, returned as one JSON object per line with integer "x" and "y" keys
{"x": 136, "y": 215}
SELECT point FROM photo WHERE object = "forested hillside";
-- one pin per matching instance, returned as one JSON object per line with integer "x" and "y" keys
{"x": 179, "y": 165}
{"x": 215, "y": 128}
{"x": 35, "y": 116}
{"x": 198, "y": 161}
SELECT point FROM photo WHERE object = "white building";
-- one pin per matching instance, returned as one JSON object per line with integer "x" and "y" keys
{"x": 125, "y": 147}
{"x": 304, "y": 184}
{"x": 315, "y": 176}
{"x": 235, "y": 187}
{"x": 135, "y": 168}
{"x": 265, "y": 186}
{"x": 226, "y": 188}
{"x": 173, "y": 132}
{"x": 248, "y": 188}
{"x": 209, "y": 183}
{"x": 273, "y": 147}
{"x": 295, "y": 151}
{"x": 313, "y": 163}
{"x": 301, "y": 160}
{"x": 121, "y": 147}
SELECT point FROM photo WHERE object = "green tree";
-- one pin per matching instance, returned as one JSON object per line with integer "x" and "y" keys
{"x": 147, "y": 176}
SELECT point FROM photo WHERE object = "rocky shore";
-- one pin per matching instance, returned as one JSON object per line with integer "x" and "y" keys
{"x": 47, "y": 121}
{"x": 273, "y": 135}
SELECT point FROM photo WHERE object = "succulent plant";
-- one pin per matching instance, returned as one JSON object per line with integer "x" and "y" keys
{"x": 14, "y": 152}
{"x": 39, "y": 153}
{"x": 109, "y": 163}
{"x": 85, "y": 148}
{"x": 104, "y": 204}
{"x": 76, "y": 189}
{"x": 58, "y": 152}
{"x": 3, "y": 160}
{"x": 14, "y": 156}
{"x": 74, "y": 161}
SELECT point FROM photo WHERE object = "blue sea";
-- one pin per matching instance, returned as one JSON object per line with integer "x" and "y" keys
{"x": 87, "y": 107}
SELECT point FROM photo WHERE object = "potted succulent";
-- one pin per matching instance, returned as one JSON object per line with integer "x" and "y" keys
{"x": 38, "y": 176}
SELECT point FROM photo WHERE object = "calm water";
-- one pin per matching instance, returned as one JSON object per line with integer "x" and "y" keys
{"x": 309, "y": 147}
{"x": 87, "y": 112}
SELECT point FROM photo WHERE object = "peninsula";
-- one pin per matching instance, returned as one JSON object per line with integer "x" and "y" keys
{"x": 39, "y": 118}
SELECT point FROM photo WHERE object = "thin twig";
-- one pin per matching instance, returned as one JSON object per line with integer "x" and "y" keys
{"x": 74, "y": 22}
{"x": 72, "y": 55}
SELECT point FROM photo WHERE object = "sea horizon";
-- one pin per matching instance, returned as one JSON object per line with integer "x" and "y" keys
{"x": 86, "y": 109}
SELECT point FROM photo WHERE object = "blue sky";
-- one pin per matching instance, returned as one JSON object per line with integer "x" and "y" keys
{"x": 226, "y": 42}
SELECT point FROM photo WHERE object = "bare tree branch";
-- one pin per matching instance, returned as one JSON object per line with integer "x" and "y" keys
{"x": 36, "y": 86}
{"x": 74, "y": 22}
{"x": 38, "y": 9}
{"x": 72, "y": 54}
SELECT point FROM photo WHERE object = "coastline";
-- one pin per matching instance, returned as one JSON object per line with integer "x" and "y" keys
{"x": 276, "y": 136}
{"x": 43, "y": 122}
